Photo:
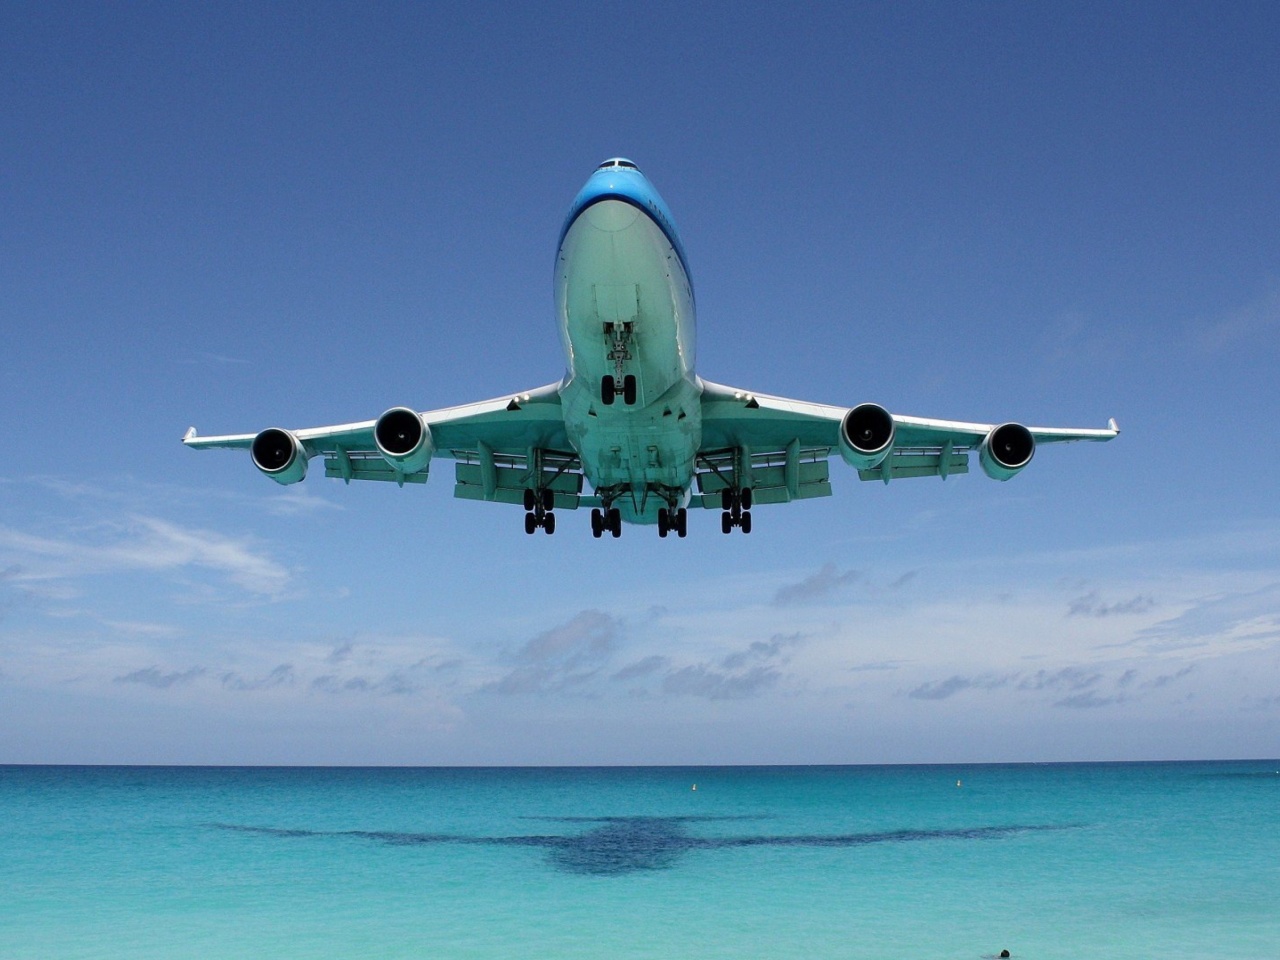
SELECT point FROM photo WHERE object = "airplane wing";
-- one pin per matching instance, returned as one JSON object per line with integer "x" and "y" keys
{"x": 502, "y": 447}
{"x": 780, "y": 447}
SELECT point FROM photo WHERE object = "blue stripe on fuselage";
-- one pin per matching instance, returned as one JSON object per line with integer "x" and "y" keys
{"x": 630, "y": 186}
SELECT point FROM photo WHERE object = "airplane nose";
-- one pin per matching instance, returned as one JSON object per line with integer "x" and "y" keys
{"x": 611, "y": 215}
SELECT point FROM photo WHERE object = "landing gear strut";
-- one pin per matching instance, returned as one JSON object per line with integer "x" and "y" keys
{"x": 737, "y": 510}
{"x": 537, "y": 505}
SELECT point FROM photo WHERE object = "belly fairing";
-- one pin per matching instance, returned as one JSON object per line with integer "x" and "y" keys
{"x": 620, "y": 273}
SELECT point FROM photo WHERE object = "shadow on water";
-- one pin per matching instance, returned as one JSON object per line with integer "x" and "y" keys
{"x": 620, "y": 845}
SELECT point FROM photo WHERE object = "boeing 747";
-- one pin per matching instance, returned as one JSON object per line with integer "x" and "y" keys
{"x": 631, "y": 420}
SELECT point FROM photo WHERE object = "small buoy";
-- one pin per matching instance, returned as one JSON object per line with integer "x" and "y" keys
{"x": 959, "y": 783}
{"x": 694, "y": 787}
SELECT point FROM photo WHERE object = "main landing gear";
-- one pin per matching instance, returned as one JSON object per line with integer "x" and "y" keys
{"x": 676, "y": 519}
{"x": 737, "y": 510}
{"x": 609, "y": 519}
{"x": 537, "y": 505}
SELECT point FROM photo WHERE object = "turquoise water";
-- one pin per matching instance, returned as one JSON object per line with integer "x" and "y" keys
{"x": 1078, "y": 860}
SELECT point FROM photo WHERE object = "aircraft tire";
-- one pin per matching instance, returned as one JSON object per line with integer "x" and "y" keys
{"x": 528, "y": 499}
{"x": 549, "y": 523}
{"x": 629, "y": 389}
{"x": 726, "y": 522}
{"x": 615, "y": 522}
{"x": 608, "y": 389}
{"x": 682, "y": 522}
{"x": 745, "y": 522}
{"x": 548, "y": 500}
{"x": 745, "y": 498}
{"x": 530, "y": 523}
{"x": 663, "y": 523}
{"x": 597, "y": 524}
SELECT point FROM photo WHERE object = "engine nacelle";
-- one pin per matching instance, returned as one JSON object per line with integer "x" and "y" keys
{"x": 866, "y": 435}
{"x": 1006, "y": 450}
{"x": 279, "y": 454}
{"x": 404, "y": 439}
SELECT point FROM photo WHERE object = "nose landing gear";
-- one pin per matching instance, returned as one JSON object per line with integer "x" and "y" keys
{"x": 619, "y": 336}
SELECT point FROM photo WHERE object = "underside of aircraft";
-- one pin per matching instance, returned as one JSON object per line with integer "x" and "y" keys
{"x": 631, "y": 432}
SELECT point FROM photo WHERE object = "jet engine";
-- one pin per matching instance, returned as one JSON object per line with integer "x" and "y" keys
{"x": 279, "y": 454}
{"x": 404, "y": 439}
{"x": 1006, "y": 450}
{"x": 866, "y": 435}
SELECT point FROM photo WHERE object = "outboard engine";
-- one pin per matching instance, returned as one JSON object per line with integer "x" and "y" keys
{"x": 279, "y": 454}
{"x": 1006, "y": 450}
{"x": 866, "y": 436}
{"x": 404, "y": 439}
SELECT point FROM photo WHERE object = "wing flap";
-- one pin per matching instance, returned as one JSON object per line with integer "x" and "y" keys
{"x": 902, "y": 464}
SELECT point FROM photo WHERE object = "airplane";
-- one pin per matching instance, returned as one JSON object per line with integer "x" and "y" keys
{"x": 631, "y": 418}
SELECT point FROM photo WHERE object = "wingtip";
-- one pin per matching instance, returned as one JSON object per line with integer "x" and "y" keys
{"x": 189, "y": 435}
{"x": 1113, "y": 426}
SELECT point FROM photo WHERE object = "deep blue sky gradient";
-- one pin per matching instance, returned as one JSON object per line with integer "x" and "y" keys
{"x": 245, "y": 215}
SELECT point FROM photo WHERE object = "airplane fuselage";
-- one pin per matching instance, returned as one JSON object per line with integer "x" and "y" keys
{"x": 625, "y": 307}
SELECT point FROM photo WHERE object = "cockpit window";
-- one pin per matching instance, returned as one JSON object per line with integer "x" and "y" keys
{"x": 617, "y": 162}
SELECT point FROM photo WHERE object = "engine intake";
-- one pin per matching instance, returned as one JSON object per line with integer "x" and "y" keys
{"x": 404, "y": 439}
{"x": 866, "y": 435}
{"x": 279, "y": 454}
{"x": 1006, "y": 450}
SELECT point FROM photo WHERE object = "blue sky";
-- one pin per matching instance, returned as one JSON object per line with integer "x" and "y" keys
{"x": 237, "y": 216}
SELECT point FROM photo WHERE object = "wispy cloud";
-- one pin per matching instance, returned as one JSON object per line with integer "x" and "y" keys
{"x": 816, "y": 586}
{"x": 1253, "y": 322}
{"x": 154, "y": 677}
{"x": 942, "y": 689}
{"x": 641, "y": 668}
{"x": 1091, "y": 605}
{"x": 565, "y": 656}
{"x": 1067, "y": 678}
{"x": 737, "y": 675}
{"x": 146, "y": 543}
{"x": 699, "y": 680}
{"x": 279, "y": 676}
{"x": 1229, "y": 618}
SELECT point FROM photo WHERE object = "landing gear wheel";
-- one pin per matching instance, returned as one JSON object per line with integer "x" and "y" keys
{"x": 597, "y": 524}
{"x": 629, "y": 389}
{"x": 726, "y": 522}
{"x": 726, "y": 499}
{"x": 548, "y": 500}
{"x": 664, "y": 525}
{"x": 682, "y": 522}
{"x": 615, "y": 522}
{"x": 608, "y": 389}
{"x": 745, "y": 498}
{"x": 530, "y": 523}
{"x": 529, "y": 502}
{"x": 745, "y": 521}
{"x": 549, "y": 523}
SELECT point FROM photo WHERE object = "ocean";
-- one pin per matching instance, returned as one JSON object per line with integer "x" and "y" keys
{"x": 1095, "y": 861}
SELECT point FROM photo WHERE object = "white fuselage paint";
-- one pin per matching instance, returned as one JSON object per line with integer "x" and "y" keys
{"x": 617, "y": 266}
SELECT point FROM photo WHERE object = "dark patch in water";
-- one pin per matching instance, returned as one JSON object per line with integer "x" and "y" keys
{"x": 621, "y": 845}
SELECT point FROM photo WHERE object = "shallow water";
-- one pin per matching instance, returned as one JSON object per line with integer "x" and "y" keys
{"x": 1115, "y": 860}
